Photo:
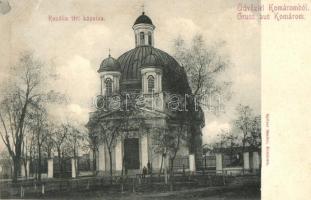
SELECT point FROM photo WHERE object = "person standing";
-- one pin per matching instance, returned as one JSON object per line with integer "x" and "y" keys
{"x": 144, "y": 172}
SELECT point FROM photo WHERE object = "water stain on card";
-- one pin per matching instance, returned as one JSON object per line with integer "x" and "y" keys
{"x": 4, "y": 7}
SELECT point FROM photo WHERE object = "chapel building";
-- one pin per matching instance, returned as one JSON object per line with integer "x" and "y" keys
{"x": 158, "y": 80}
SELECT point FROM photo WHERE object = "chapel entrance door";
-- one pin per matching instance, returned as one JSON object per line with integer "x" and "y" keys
{"x": 131, "y": 153}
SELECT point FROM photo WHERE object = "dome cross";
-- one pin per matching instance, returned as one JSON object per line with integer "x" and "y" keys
{"x": 143, "y": 9}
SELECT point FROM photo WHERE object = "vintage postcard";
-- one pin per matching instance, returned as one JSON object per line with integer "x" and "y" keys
{"x": 133, "y": 99}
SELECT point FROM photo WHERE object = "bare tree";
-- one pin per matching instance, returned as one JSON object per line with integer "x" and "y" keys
{"x": 40, "y": 129}
{"x": 175, "y": 137}
{"x": 244, "y": 123}
{"x": 231, "y": 143}
{"x": 116, "y": 125}
{"x": 59, "y": 137}
{"x": 48, "y": 145}
{"x": 254, "y": 139}
{"x": 221, "y": 141}
{"x": 27, "y": 152}
{"x": 107, "y": 133}
{"x": 168, "y": 140}
{"x": 93, "y": 142}
{"x": 203, "y": 64}
{"x": 160, "y": 143}
{"x": 24, "y": 88}
{"x": 75, "y": 139}
{"x": 246, "y": 130}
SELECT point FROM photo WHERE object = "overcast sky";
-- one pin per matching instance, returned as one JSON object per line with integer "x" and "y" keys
{"x": 76, "y": 49}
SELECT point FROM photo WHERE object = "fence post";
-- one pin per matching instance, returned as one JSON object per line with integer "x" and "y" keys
{"x": 245, "y": 162}
{"x": 122, "y": 187}
{"x": 73, "y": 167}
{"x": 88, "y": 185}
{"x": 171, "y": 183}
{"x": 139, "y": 180}
{"x": 165, "y": 176}
{"x": 22, "y": 192}
{"x": 27, "y": 169}
{"x": 219, "y": 167}
{"x": 210, "y": 180}
{"x": 256, "y": 161}
{"x": 50, "y": 168}
{"x": 192, "y": 167}
{"x": 133, "y": 185}
{"x": 42, "y": 191}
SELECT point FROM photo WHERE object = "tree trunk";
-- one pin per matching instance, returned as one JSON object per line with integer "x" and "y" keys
{"x": 16, "y": 167}
{"x": 110, "y": 160}
{"x": 122, "y": 174}
{"x": 76, "y": 159}
{"x": 165, "y": 170}
{"x": 122, "y": 167}
{"x": 94, "y": 161}
{"x": 59, "y": 162}
{"x": 172, "y": 174}
{"x": 172, "y": 166}
{"x": 161, "y": 166}
{"x": 24, "y": 160}
{"x": 25, "y": 166}
{"x": 26, "y": 170}
{"x": 36, "y": 170}
{"x": 16, "y": 161}
{"x": 39, "y": 162}
{"x": 30, "y": 162}
{"x": 243, "y": 149}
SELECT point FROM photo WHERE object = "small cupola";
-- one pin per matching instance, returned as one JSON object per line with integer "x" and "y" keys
{"x": 109, "y": 64}
{"x": 151, "y": 71}
{"x": 110, "y": 72}
{"x": 143, "y": 19}
{"x": 152, "y": 61}
{"x": 143, "y": 30}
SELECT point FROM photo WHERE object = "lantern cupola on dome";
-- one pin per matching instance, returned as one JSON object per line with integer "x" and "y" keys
{"x": 143, "y": 30}
{"x": 143, "y": 19}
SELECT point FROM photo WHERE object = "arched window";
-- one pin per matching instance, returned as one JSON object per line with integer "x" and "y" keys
{"x": 108, "y": 83}
{"x": 150, "y": 84}
{"x": 142, "y": 38}
{"x": 149, "y": 38}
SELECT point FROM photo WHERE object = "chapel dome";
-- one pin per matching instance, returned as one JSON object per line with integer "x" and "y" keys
{"x": 109, "y": 64}
{"x": 174, "y": 78}
{"x": 143, "y": 19}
